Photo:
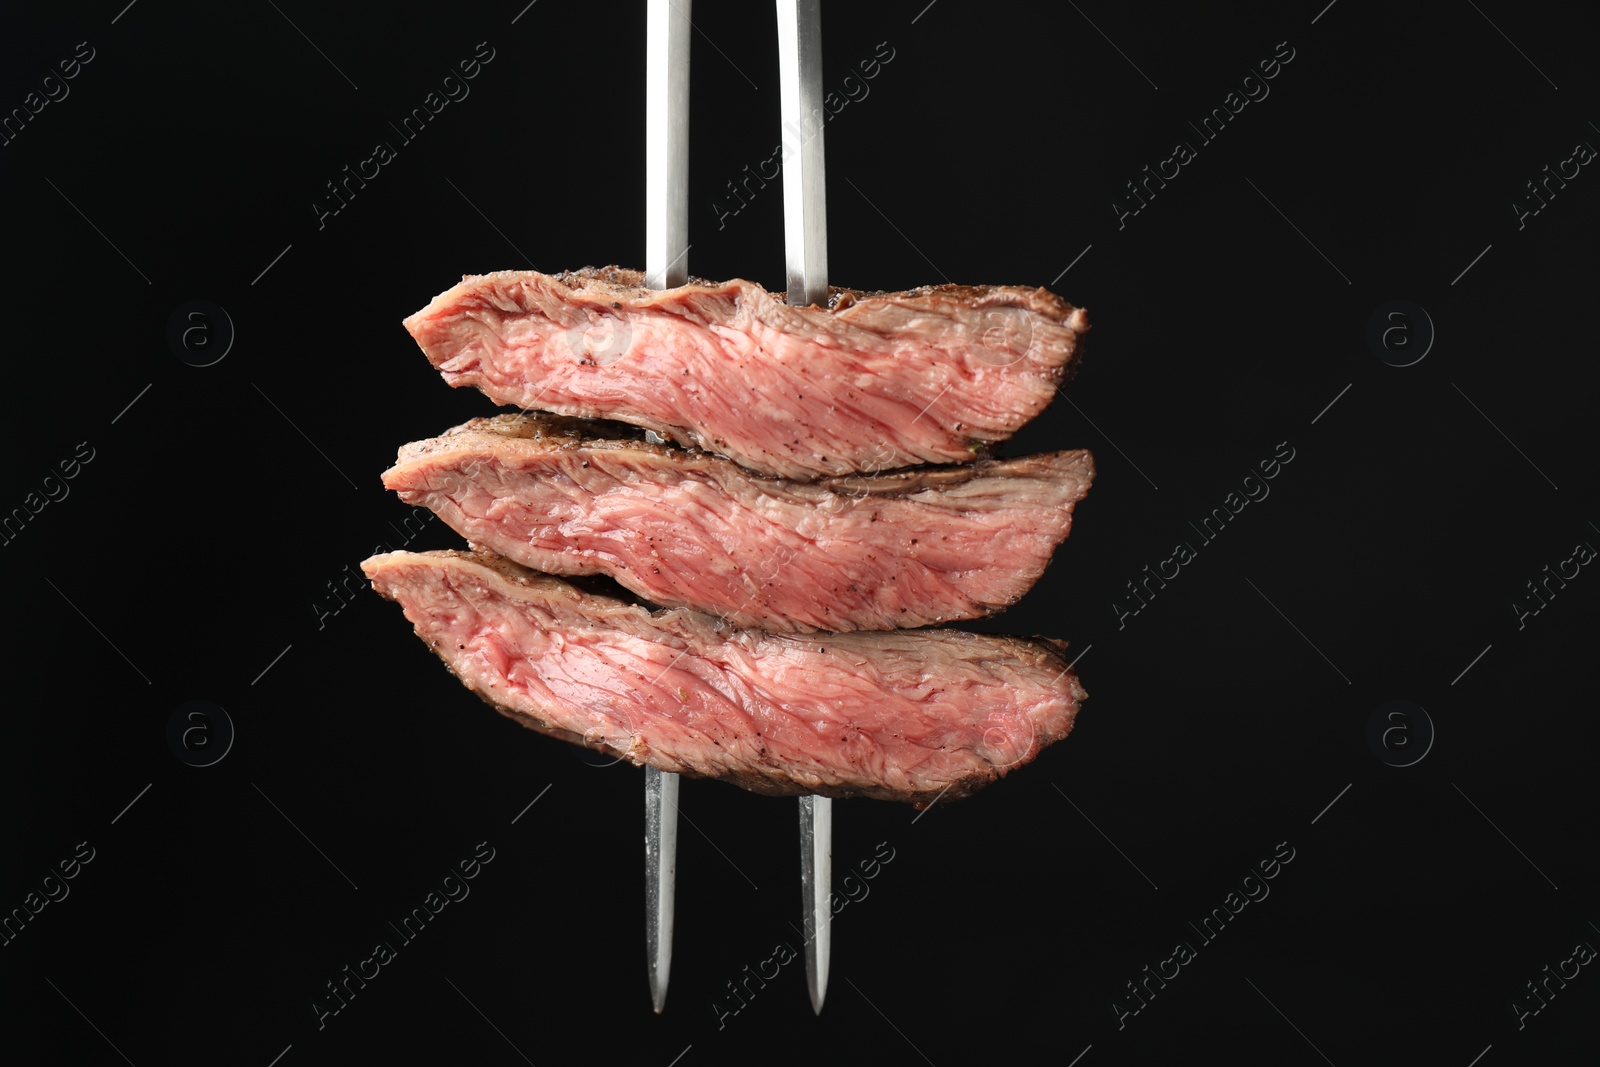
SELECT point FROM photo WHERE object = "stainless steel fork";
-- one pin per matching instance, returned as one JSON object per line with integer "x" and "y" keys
{"x": 805, "y": 231}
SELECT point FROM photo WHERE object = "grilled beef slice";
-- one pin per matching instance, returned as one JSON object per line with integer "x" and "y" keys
{"x": 870, "y": 382}
{"x": 903, "y": 715}
{"x": 688, "y": 529}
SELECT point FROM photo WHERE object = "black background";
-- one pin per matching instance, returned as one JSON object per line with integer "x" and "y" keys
{"x": 1225, "y": 717}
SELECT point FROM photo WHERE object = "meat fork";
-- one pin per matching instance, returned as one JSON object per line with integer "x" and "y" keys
{"x": 806, "y": 269}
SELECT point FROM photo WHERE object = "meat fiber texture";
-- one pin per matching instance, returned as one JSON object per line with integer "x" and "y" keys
{"x": 684, "y": 528}
{"x": 872, "y": 381}
{"x": 903, "y": 715}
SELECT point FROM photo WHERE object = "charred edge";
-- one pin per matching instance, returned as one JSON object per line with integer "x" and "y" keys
{"x": 557, "y": 433}
{"x": 1036, "y": 299}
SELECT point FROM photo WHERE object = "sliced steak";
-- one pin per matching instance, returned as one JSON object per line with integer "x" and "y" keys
{"x": 903, "y": 715}
{"x": 871, "y": 382}
{"x": 688, "y": 529}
